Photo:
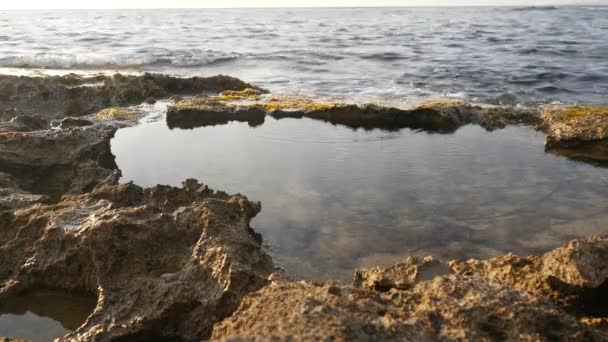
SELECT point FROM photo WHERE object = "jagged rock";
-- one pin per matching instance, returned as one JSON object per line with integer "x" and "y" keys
{"x": 574, "y": 276}
{"x": 162, "y": 261}
{"x": 24, "y": 123}
{"x": 57, "y": 161}
{"x": 191, "y": 113}
{"x": 402, "y": 276}
{"x": 71, "y": 122}
{"x": 446, "y": 308}
{"x": 441, "y": 116}
{"x": 73, "y": 95}
{"x": 507, "y": 298}
{"x": 578, "y": 132}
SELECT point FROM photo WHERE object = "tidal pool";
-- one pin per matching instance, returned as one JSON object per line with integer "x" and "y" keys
{"x": 334, "y": 199}
{"x": 42, "y": 316}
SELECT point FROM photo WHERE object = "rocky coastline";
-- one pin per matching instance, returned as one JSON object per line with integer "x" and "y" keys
{"x": 182, "y": 263}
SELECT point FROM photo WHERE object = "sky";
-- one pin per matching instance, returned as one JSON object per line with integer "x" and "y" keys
{"x": 89, "y": 4}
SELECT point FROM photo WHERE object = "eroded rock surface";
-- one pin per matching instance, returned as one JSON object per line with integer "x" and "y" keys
{"x": 506, "y": 298}
{"x": 252, "y": 107}
{"x": 162, "y": 261}
{"x": 73, "y": 95}
{"x": 574, "y": 276}
{"x": 578, "y": 132}
{"x": 56, "y": 161}
{"x": 168, "y": 262}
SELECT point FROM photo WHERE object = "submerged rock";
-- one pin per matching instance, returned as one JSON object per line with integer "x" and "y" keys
{"x": 161, "y": 261}
{"x": 73, "y": 95}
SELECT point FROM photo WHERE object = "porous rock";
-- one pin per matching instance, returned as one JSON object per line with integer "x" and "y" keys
{"x": 161, "y": 261}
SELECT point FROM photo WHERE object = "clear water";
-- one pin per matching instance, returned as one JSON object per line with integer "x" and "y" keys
{"x": 334, "y": 199}
{"x": 530, "y": 55}
{"x": 42, "y": 316}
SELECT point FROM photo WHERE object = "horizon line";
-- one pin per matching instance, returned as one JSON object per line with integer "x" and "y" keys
{"x": 310, "y": 7}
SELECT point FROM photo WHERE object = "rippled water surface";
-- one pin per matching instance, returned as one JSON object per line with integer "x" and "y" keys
{"x": 334, "y": 198}
{"x": 531, "y": 55}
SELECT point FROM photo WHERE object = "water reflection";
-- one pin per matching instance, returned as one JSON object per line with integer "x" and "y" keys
{"x": 334, "y": 198}
{"x": 43, "y": 315}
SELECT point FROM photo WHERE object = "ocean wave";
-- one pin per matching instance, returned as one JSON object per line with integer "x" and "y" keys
{"x": 385, "y": 56}
{"x": 534, "y": 8}
{"x": 97, "y": 61}
{"x": 68, "y": 61}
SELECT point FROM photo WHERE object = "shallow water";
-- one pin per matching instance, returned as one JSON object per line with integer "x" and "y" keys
{"x": 525, "y": 55}
{"x": 334, "y": 198}
{"x": 42, "y": 316}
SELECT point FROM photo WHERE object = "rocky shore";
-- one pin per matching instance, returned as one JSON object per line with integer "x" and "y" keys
{"x": 182, "y": 263}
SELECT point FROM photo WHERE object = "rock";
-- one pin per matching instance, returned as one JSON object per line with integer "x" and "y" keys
{"x": 441, "y": 117}
{"x": 53, "y": 162}
{"x": 72, "y": 95}
{"x": 71, "y": 122}
{"x": 581, "y": 262}
{"x": 150, "y": 100}
{"x": 162, "y": 261}
{"x": 191, "y": 113}
{"x": 446, "y": 308}
{"x": 401, "y": 276}
{"x": 24, "y": 123}
{"x": 574, "y": 276}
{"x": 577, "y": 132}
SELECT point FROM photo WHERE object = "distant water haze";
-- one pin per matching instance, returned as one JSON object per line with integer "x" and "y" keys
{"x": 73, "y": 4}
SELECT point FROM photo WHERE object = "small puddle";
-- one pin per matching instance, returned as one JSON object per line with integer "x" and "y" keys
{"x": 42, "y": 316}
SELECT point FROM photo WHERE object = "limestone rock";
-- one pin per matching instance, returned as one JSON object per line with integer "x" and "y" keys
{"x": 402, "y": 276}
{"x": 73, "y": 95}
{"x": 578, "y": 132}
{"x": 57, "y": 161}
{"x": 161, "y": 261}
{"x": 444, "y": 309}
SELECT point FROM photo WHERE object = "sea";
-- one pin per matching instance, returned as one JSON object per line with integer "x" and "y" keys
{"x": 496, "y": 55}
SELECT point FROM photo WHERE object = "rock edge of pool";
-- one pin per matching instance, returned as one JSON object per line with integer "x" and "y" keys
{"x": 183, "y": 263}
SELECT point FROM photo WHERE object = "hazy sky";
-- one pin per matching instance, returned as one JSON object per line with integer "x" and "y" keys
{"x": 31, "y": 4}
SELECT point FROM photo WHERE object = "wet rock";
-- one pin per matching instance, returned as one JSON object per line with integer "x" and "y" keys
{"x": 24, "y": 123}
{"x": 73, "y": 95}
{"x": 150, "y": 100}
{"x": 440, "y": 117}
{"x": 198, "y": 112}
{"x": 161, "y": 262}
{"x": 578, "y": 132}
{"x": 71, "y": 122}
{"x": 57, "y": 161}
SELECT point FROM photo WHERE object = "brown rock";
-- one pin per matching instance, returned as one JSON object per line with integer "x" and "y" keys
{"x": 73, "y": 160}
{"x": 162, "y": 261}
{"x": 446, "y": 308}
{"x": 401, "y": 276}
{"x": 578, "y": 132}
{"x": 574, "y": 276}
{"x": 72, "y": 95}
